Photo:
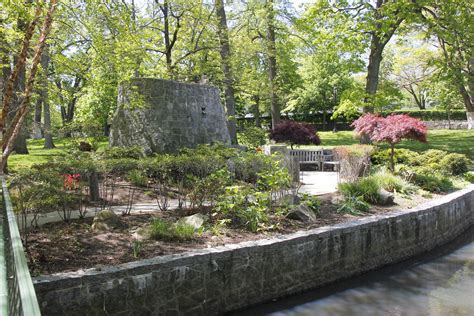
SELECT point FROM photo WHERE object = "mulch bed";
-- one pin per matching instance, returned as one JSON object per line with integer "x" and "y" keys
{"x": 61, "y": 247}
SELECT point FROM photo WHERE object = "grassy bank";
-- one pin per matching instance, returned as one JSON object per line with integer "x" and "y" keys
{"x": 456, "y": 141}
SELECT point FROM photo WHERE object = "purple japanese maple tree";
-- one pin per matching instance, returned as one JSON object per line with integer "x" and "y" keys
{"x": 295, "y": 133}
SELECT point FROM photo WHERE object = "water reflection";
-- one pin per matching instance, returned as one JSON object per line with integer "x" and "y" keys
{"x": 439, "y": 284}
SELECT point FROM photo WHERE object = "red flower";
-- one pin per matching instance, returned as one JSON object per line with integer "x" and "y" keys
{"x": 71, "y": 181}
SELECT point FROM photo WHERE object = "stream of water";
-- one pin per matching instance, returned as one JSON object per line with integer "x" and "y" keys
{"x": 438, "y": 283}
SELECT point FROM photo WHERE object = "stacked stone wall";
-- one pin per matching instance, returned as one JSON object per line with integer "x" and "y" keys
{"x": 164, "y": 116}
{"x": 446, "y": 124}
{"x": 216, "y": 280}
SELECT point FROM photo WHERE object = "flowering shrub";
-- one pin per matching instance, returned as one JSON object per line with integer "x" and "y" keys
{"x": 391, "y": 129}
{"x": 295, "y": 133}
{"x": 71, "y": 181}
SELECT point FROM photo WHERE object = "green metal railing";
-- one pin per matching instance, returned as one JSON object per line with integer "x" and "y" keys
{"x": 17, "y": 294}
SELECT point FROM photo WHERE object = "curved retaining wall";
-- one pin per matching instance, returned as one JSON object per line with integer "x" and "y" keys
{"x": 230, "y": 277}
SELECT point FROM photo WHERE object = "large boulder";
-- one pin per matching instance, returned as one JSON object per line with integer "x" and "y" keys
{"x": 302, "y": 213}
{"x": 107, "y": 220}
{"x": 196, "y": 220}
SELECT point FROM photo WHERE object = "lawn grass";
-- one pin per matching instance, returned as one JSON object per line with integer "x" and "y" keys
{"x": 37, "y": 154}
{"x": 457, "y": 141}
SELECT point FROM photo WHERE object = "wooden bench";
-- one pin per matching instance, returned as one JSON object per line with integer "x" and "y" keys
{"x": 308, "y": 157}
{"x": 320, "y": 157}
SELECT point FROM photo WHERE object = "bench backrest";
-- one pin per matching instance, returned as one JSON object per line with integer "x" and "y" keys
{"x": 307, "y": 155}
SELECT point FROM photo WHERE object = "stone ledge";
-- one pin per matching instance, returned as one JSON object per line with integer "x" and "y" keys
{"x": 215, "y": 280}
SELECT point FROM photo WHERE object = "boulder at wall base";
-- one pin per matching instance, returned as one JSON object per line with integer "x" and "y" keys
{"x": 107, "y": 220}
{"x": 302, "y": 213}
{"x": 385, "y": 197}
{"x": 196, "y": 220}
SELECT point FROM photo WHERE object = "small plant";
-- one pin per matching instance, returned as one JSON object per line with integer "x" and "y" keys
{"x": 163, "y": 230}
{"x": 312, "y": 201}
{"x": 354, "y": 205}
{"x": 366, "y": 188}
{"x": 244, "y": 206}
{"x": 137, "y": 178}
{"x": 218, "y": 226}
{"x": 295, "y": 133}
{"x": 160, "y": 229}
{"x": 136, "y": 247}
{"x": 183, "y": 231}
{"x": 392, "y": 183}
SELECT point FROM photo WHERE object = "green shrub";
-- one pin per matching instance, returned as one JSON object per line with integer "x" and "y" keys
{"x": 253, "y": 137}
{"x": 454, "y": 164}
{"x": 160, "y": 229}
{"x": 274, "y": 177}
{"x": 133, "y": 152}
{"x": 216, "y": 150}
{"x": 430, "y": 115}
{"x": 402, "y": 156}
{"x": 435, "y": 160}
{"x": 311, "y": 201}
{"x": 118, "y": 166}
{"x": 431, "y": 156}
{"x": 183, "y": 231}
{"x": 244, "y": 206}
{"x": 367, "y": 188}
{"x": 432, "y": 182}
{"x": 354, "y": 205}
{"x": 137, "y": 178}
{"x": 207, "y": 189}
{"x": 392, "y": 183}
{"x": 248, "y": 166}
{"x": 469, "y": 177}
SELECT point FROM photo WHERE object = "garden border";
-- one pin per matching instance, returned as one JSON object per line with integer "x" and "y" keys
{"x": 230, "y": 277}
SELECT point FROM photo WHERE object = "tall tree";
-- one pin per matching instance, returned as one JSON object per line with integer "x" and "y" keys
{"x": 222, "y": 31}
{"x": 272, "y": 62}
{"x": 10, "y": 133}
{"x": 48, "y": 136}
{"x": 452, "y": 24}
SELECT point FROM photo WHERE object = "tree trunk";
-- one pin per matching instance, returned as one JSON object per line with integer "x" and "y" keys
{"x": 94, "y": 187}
{"x": 392, "y": 157}
{"x": 272, "y": 63}
{"x": 19, "y": 146}
{"x": 256, "y": 111}
{"x": 222, "y": 32}
{"x": 37, "y": 129}
{"x": 48, "y": 137}
{"x": 468, "y": 96}
{"x": 373, "y": 69}
{"x": 470, "y": 120}
{"x": 324, "y": 120}
{"x": 106, "y": 129}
